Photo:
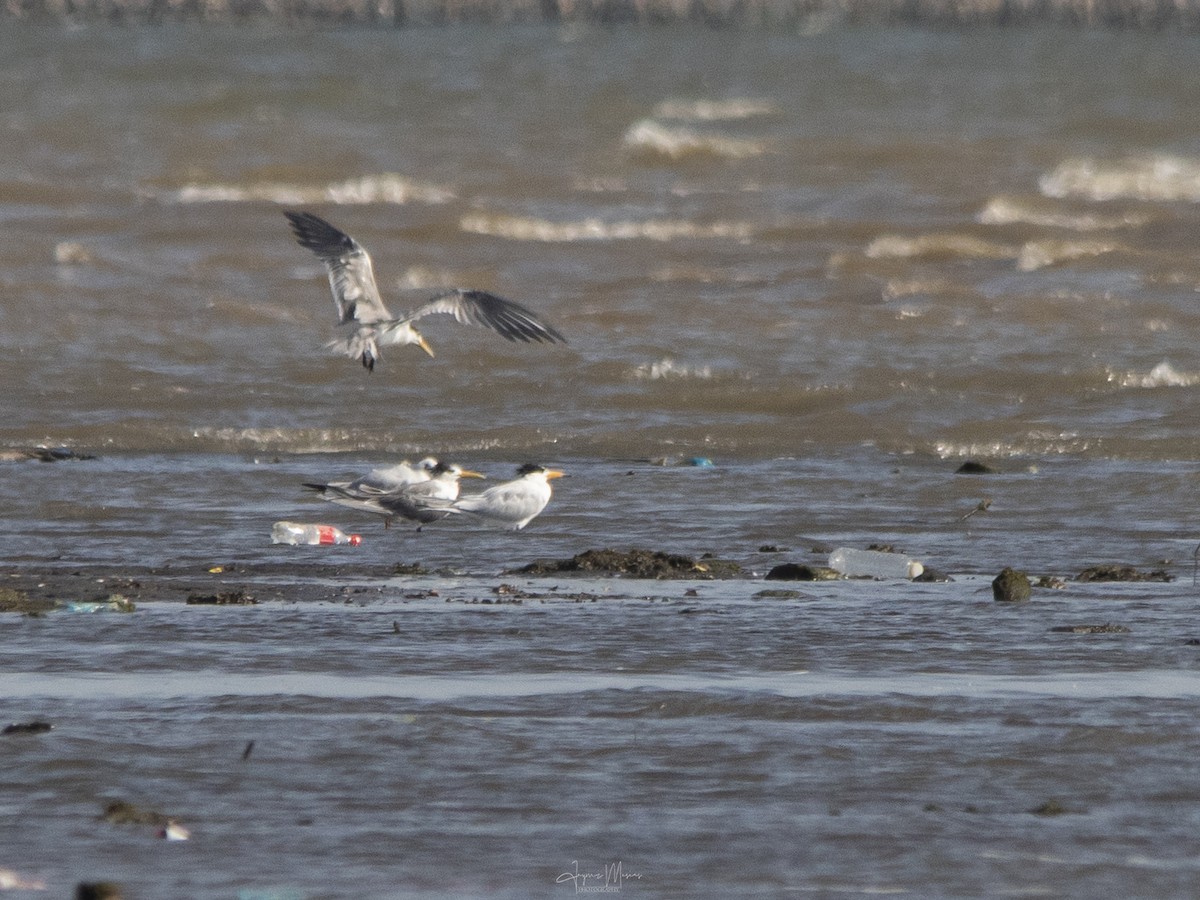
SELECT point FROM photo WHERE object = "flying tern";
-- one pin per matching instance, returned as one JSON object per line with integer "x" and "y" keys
{"x": 352, "y": 280}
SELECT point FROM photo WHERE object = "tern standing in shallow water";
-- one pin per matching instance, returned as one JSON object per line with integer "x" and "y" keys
{"x": 513, "y": 504}
{"x": 352, "y": 279}
{"x": 401, "y": 490}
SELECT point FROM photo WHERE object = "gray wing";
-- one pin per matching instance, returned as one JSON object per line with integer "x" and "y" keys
{"x": 511, "y": 320}
{"x": 418, "y": 502}
{"x": 351, "y": 277}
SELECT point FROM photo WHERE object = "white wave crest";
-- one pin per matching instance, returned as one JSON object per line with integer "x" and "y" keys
{"x": 649, "y": 136}
{"x": 1041, "y": 254}
{"x": 668, "y": 368}
{"x": 520, "y": 228}
{"x": 1007, "y": 211}
{"x": 1158, "y": 177}
{"x": 732, "y": 109}
{"x": 895, "y": 246}
{"x": 1162, "y": 375}
{"x": 385, "y": 188}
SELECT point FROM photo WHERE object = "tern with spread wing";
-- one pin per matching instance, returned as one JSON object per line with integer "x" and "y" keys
{"x": 401, "y": 490}
{"x": 352, "y": 279}
{"x": 513, "y": 504}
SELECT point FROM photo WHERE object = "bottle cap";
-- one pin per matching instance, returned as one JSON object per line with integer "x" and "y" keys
{"x": 355, "y": 540}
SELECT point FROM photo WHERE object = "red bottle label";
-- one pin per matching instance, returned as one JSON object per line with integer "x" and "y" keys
{"x": 326, "y": 534}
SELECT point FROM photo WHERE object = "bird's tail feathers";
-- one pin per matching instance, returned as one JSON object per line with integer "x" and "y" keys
{"x": 360, "y": 345}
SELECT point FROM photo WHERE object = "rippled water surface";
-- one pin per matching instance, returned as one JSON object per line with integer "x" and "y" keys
{"x": 835, "y": 265}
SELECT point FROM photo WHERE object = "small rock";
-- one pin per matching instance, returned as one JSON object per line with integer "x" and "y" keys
{"x": 121, "y": 813}
{"x": 973, "y": 467}
{"x": 98, "y": 890}
{"x": 778, "y": 595}
{"x": 800, "y": 572}
{"x": 1049, "y": 808}
{"x": 1010, "y": 586}
{"x": 1107, "y": 628}
{"x": 28, "y": 728}
{"x": 933, "y": 575}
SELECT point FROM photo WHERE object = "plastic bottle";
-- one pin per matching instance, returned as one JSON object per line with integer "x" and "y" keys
{"x": 304, "y": 533}
{"x": 873, "y": 564}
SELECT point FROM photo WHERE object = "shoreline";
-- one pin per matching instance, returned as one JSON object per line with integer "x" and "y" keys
{"x": 786, "y": 15}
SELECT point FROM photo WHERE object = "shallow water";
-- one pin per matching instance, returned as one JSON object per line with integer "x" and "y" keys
{"x": 837, "y": 265}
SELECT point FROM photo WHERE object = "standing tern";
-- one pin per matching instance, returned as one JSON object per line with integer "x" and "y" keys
{"x": 356, "y": 296}
{"x": 513, "y": 504}
{"x": 394, "y": 492}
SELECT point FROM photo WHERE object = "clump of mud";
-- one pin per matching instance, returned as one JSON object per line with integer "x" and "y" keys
{"x": 635, "y": 563}
{"x": 1114, "y": 572}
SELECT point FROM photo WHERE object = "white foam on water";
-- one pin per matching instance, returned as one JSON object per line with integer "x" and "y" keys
{"x": 1036, "y": 255}
{"x": 947, "y": 244}
{"x": 1155, "y": 177}
{"x": 732, "y": 109}
{"x": 677, "y": 141}
{"x": 384, "y": 188}
{"x": 668, "y": 368}
{"x": 1162, "y": 375}
{"x": 1011, "y": 211}
{"x": 527, "y": 228}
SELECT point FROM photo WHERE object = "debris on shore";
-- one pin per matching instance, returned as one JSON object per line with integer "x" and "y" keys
{"x": 224, "y": 598}
{"x": 20, "y": 602}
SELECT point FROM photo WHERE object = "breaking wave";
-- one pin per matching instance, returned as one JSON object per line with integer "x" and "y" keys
{"x": 1157, "y": 177}
{"x": 523, "y": 228}
{"x": 713, "y": 110}
{"x": 895, "y": 246}
{"x": 668, "y": 368}
{"x": 676, "y": 141}
{"x": 1162, "y": 375}
{"x": 386, "y": 188}
{"x": 1008, "y": 211}
{"x": 1042, "y": 254}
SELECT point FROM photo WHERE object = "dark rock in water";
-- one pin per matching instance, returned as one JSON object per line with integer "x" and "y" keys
{"x": 54, "y": 454}
{"x": 1114, "y": 572}
{"x": 778, "y": 595}
{"x": 121, "y": 813}
{"x": 1106, "y": 628}
{"x": 225, "y": 598}
{"x": 972, "y": 467}
{"x": 409, "y": 569}
{"x": 98, "y": 890}
{"x": 933, "y": 575}
{"x": 1010, "y": 586}
{"x": 771, "y": 548}
{"x": 28, "y": 728}
{"x": 800, "y": 572}
{"x": 1050, "y": 808}
{"x": 635, "y": 564}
